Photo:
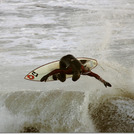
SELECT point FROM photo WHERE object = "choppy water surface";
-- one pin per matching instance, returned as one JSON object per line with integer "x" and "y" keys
{"x": 33, "y": 33}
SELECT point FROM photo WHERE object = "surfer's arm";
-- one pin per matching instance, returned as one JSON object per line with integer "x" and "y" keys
{"x": 92, "y": 74}
{"x": 56, "y": 71}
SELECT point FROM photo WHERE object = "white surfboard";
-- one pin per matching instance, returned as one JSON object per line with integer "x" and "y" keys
{"x": 43, "y": 70}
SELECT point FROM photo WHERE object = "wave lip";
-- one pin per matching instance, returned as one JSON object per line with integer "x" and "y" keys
{"x": 38, "y": 111}
{"x": 114, "y": 114}
{"x": 65, "y": 111}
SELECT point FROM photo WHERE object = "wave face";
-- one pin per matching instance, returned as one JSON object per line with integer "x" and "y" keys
{"x": 114, "y": 114}
{"x": 37, "y": 111}
{"x": 66, "y": 111}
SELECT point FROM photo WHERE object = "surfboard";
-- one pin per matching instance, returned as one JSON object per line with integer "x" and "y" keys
{"x": 39, "y": 72}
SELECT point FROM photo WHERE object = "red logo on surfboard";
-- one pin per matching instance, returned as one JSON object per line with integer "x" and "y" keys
{"x": 31, "y": 77}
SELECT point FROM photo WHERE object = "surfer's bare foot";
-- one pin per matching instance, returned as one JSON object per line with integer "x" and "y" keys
{"x": 107, "y": 84}
{"x": 44, "y": 78}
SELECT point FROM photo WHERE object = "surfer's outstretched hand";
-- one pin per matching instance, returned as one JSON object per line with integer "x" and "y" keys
{"x": 44, "y": 78}
{"x": 107, "y": 84}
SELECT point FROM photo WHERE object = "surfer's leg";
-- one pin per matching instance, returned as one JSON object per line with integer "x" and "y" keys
{"x": 62, "y": 76}
{"x": 76, "y": 67}
{"x": 76, "y": 76}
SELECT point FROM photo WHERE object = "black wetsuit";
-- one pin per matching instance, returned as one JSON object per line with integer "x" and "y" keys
{"x": 69, "y": 61}
{"x": 70, "y": 65}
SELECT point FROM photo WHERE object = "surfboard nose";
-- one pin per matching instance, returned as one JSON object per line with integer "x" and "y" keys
{"x": 29, "y": 77}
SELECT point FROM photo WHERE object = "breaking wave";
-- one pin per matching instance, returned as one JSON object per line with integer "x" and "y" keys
{"x": 67, "y": 111}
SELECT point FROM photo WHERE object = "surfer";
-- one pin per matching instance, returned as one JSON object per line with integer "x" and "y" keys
{"x": 70, "y": 65}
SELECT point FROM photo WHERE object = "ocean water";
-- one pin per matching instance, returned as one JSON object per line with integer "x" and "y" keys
{"x": 33, "y": 33}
